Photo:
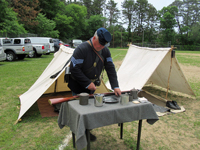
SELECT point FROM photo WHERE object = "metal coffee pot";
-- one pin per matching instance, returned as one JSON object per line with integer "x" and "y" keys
{"x": 133, "y": 94}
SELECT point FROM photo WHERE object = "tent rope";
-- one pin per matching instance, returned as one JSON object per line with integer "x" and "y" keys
{"x": 171, "y": 50}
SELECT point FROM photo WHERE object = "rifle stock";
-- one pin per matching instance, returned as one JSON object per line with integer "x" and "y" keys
{"x": 60, "y": 100}
{"x": 65, "y": 99}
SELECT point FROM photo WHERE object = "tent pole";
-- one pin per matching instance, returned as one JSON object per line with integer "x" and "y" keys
{"x": 55, "y": 86}
{"x": 172, "y": 56}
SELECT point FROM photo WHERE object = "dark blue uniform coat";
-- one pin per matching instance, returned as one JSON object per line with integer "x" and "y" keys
{"x": 82, "y": 59}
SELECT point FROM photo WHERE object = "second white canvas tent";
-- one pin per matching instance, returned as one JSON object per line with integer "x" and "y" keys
{"x": 143, "y": 65}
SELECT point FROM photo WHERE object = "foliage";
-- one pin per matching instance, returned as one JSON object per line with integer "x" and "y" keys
{"x": 8, "y": 20}
{"x": 167, "y": 22}
{"x": 187, "y": 18}
{"x": 72, "y": 21}
{"x": 78, "y": 14}
{"x": 45, "y": 27}
{"x": 94, "y": 7}
{"x": 113, "y": 12}
{"x": 195, "y": 33}
{"x": 98, "y": 6}
{"x": 143, "y": 22}
{"x": 50, "y": 7}
{"x": 141, "y": 12}
{"x": 63, "y": 25}
{"x": 128, "y": 11}
{"x": 93, "y": 23}
{"x": 27, "y": 12}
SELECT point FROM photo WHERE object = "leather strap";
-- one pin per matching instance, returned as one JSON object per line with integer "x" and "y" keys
{"x": 99, "y": 55}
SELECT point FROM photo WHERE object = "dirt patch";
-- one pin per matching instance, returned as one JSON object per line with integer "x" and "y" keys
{"x": 191, "y": 73}
{"x": 118, "y": 64}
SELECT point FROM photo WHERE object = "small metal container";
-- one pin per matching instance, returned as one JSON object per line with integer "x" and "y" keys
{"x": 134, "y": 93}
{"x": 124, "y": 99}
{"x": 83, "y": 98}
{"x": 98, "y": 100}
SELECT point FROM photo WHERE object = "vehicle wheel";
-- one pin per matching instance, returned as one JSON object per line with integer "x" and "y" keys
{"x": 47, "y": 53}
{"x": 21, "y": 57}
{"x": 10, "y": 56}
{"x": 33, "y": 55}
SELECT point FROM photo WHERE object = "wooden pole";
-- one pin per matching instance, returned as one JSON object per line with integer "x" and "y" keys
{"x": 172, "y": 47}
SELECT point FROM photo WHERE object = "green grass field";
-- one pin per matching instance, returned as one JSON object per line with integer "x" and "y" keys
{"x": 37, "y": 133}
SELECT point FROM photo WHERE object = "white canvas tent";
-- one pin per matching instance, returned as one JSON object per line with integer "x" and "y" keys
{"x": 143, "y": 65}
{"x": 45, "y": 84}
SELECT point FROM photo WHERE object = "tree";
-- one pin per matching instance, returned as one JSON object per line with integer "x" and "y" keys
{"x": 195, "y": 34}
{"x": 88, "y": 5}
{"x": 178, "y": 15}
{"x": 113, "y": 12}
{"x": 8, "y": 20}
{"x": 27, "y": 12}
{"x": 141, "y": 12}
{"x": 128, "y": 11}
{"x": 93, "y": 23}
{"x": 151, "y": 24}
{"x": 78, "y": 14}
{"x": 72, "y": 21}
{"x": 168, "y": 22}
{"x": 50, "y": 7}
{"x": 97, "y": 7}
{"x": 94, "y": 7}
{"x": 45, "y": 27}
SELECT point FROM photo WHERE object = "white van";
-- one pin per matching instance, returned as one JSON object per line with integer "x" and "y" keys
{"x": 48, "y": 40}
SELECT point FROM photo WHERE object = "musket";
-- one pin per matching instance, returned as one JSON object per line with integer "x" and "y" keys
{"x": 65, "y": 99}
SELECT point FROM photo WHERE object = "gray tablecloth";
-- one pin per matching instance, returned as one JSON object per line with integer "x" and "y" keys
{"x": 82, "y": 117}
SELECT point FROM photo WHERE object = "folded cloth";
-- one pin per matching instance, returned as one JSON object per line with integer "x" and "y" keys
{"x": 143, "y": 99}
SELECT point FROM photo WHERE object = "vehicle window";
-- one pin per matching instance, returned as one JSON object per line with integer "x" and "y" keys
{"x": 17, "y": 41}
{"x": 77, "y": 41}
{"x": 26, "y": 41}
{"x": 50, "y": 41}
{"x": 6, "y": 41}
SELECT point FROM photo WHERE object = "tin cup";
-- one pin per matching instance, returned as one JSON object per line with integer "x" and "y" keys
{"x": 124, "y": 99}
{"x": 98, "y": 100}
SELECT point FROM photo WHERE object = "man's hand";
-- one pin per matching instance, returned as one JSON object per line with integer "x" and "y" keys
{"x": 92, "y": 87}
{"x": 117, "y": 91}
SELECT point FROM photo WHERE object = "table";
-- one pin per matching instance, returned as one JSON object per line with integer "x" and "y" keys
{"x": 81, "y": 117}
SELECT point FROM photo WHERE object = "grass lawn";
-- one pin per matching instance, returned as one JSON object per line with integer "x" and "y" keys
{"x": 175, "y": 131}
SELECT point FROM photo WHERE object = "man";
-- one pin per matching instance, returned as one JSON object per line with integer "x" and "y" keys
{"x": 87, "y": 63}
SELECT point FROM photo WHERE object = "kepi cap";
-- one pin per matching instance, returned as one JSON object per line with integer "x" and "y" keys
{"x": 104, "y": 36}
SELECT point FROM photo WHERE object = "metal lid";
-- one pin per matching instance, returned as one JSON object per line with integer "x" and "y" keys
{"x": 83, "y": 94}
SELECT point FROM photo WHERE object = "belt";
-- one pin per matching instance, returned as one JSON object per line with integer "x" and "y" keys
{"x": 93, "y": 79}
{"x": 90, "y": 79}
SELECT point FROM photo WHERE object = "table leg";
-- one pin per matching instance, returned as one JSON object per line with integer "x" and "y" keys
{"x": 88, "y": 139}
{"x": 73, "y": 138}
{"x": 121, "y": 130}
{"x": 139, "y": 134}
